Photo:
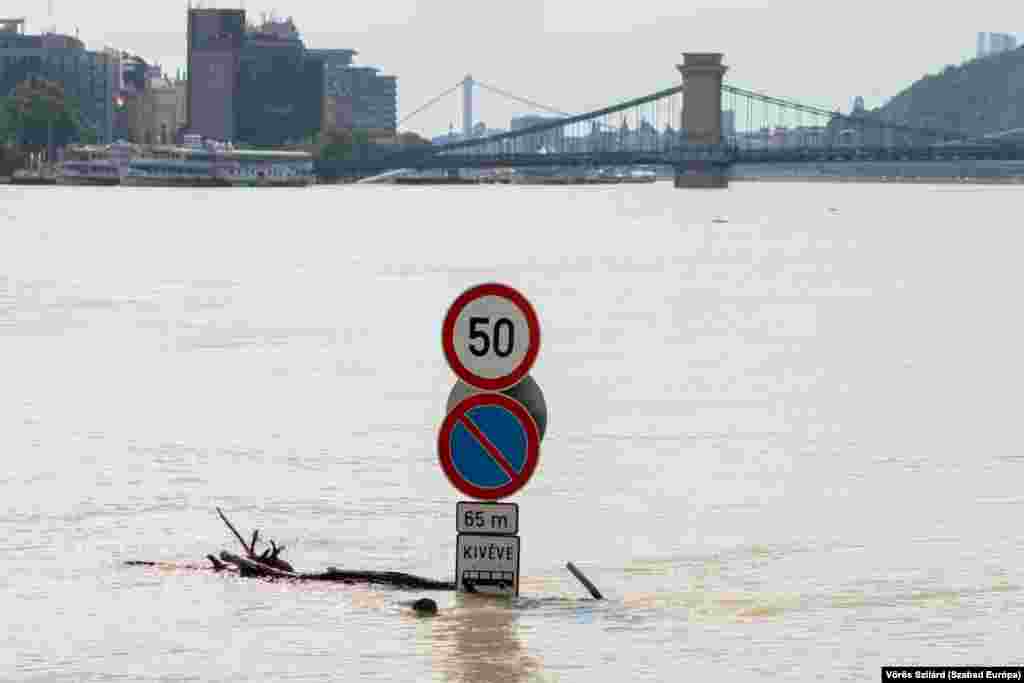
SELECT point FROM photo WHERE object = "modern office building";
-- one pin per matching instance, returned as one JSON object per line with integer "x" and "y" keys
{"x": 87, "y": 76}
{"x": 214, "y": 50}
{"x": 281, "y": 86}
{"x": 363, "y": 97}
{"x": 338, "y": 109}
{"x": 259, "y": 84}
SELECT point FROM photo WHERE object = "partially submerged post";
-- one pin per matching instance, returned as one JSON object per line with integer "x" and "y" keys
{"x": 584, "y": 580}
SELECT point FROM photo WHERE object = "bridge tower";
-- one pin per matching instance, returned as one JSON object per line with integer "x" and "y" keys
{"x": 467, "y": 107}
{"x": 702, "y": 121}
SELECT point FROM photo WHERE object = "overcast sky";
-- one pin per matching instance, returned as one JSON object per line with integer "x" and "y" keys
{"x": 579, "y": 56}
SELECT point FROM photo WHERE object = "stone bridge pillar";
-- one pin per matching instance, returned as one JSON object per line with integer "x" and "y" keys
{"x": 701, "y": 123}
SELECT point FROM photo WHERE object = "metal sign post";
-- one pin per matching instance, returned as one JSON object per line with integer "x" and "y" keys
{"x": 489, "y": 442}
{"x": 487, "y": 549}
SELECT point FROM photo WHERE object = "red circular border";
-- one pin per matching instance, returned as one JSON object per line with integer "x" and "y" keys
{"x": 444, "y": 449}
{"x": 448, "y": 337}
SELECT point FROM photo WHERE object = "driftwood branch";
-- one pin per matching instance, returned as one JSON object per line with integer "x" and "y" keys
{"x": 233, "y": 529}
{"x": 248, "y": 567}
{"x": 269, "y": 564}
{"x": 217, "y": 564}
{"x": 269, "y": 557}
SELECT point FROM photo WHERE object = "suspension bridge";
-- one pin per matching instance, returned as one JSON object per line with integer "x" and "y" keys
{"x": 700, "y": 128}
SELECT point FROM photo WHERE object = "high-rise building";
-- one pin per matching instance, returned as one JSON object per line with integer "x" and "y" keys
{"x": 88, "y": 77}
{"x": 359, "y": 95}
{"x": 338, "y": 111}
{"x": 981, "y": 44}
{"x": 215, "y": 41}
{"x": 281, "y": 86}
{"x": 259, "y": 84}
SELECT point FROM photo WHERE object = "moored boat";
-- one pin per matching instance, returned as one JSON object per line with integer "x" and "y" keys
{"x": 94, "y": 164}
{"x": 24, "y": 176}
{"x": 216, "y": 164}
{"x": 265, "y": 168}
{"x": 172, "y": 166}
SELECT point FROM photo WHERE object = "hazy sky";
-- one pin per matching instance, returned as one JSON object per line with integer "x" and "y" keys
{"x": 579, "y": 56}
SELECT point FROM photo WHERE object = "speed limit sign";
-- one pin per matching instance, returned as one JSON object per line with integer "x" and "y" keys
{"x": 491, "y": 336}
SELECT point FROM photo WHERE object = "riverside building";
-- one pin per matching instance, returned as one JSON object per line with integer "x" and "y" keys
{"x": 258, "y": 84}
{"x": 358, "y": 96}
{"x": 281, "y": 86}
{"x": 214, "y": 51}
{"x": 87, "y": 76}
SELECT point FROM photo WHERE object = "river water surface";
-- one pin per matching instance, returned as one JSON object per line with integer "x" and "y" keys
{"x": 781, "y": 432}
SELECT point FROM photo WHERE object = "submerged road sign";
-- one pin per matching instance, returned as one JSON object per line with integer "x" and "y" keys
{"x": 487, "y": 564}
{"x": 488, "y": 446}
{"x": 491, "y": 336}
{"x": 526, "y": 392}
{"x": 487, "y": 518}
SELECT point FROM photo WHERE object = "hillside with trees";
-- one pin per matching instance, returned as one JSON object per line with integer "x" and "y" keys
{"x": 981, "y": 96}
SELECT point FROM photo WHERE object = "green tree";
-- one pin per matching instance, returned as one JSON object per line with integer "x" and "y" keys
{"x": 41, "y": 115}
{"x": 339, "y": 144}
{"x": 345, "y": 144}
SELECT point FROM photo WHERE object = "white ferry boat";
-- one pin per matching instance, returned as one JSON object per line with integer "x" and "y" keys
{"x": 215, "y": 164}
{"x": 94, "y": 164}
{"x": 264, "y": 168}
{"x": 171, "y": 166}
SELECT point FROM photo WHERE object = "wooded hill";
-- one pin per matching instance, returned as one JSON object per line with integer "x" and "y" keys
{"x": 981, "y": 96}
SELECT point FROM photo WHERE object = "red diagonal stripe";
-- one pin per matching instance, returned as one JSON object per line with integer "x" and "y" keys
{"x": 491, "y": 449}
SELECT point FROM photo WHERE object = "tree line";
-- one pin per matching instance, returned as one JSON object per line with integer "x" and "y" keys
{"x": 38, "y": 115}
{"x": 342, "y": 144}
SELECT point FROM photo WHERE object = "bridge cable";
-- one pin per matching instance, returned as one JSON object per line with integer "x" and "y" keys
{"x": 430, "y": 103}
{"x": 521, "y": 100}
{"x": 531, "y": 103}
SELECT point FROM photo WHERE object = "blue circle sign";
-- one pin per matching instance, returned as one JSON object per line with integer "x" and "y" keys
{"x": 488, "y": 446}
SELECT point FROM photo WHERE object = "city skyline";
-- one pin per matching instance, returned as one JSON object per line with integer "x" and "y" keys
{"x": 568, "y": 56}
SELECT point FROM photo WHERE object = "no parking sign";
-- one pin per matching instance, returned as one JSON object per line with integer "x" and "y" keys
{"x": 488, "y": 446}
{"x": 489, "y": 443}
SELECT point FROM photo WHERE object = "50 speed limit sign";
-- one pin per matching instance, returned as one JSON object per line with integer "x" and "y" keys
{"x": 491, "y": 336}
